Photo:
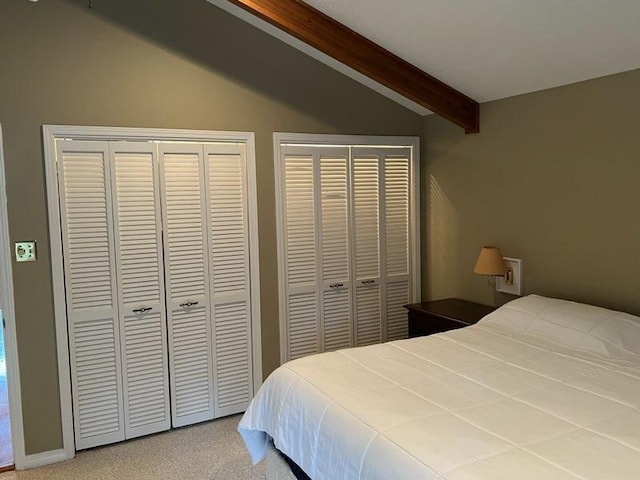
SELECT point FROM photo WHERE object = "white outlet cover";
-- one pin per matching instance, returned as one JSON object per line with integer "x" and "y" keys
{"x": 514, "y": 264}
{"x": 26, "y": 251}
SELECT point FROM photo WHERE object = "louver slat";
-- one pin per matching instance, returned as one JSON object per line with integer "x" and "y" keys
{"x": 366, "y": 200}
{"x": 300, "y": 243}
{"x": 229, "y": 267}
{"x": 337, "y": 322}
{"x": 96, "y": 391}
{"x": 184, "y": 224}
{"x": 303, "y": 325}
{"x": 145, "y": 374}
{"x": 334, "y": 190}
{"x": 228, "y": 222}
{"x": 368, "y": 321}
{"x": 233, "y": 359}
{"x": 144, "y": 352}
{"x": 300, "y": 220}
{"x": 187, "y": 278}
{"x": 366, "y": 212}
{"x": 192, "y": 394}
{"x": 396, "y": 187}
{"x": 90, "y": 281}
{"x": 397, "y": 297}
{"x": 83, "y": 176}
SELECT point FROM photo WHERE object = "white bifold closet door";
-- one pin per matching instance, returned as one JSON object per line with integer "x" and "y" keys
{"x": 381, "y": 205}
{"x": 346, "y": 230}
{"x": 142, "y": 317}
{"x": 333, "y": 252}
{"x": 157, "y": 278}
{"x": 398, "y": 229}
{"x": 187, "y": 281}
{"x": 207, "y": 276}
{"x": 117, "y": 335}
{"x": 229, "y": 256}
{"x": 316, "y": 243}
{"x": 84, "y": 177}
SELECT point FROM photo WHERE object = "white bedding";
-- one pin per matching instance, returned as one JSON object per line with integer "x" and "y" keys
{"x": 540, "y": 389}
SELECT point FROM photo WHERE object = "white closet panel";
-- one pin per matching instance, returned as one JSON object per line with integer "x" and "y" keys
{"x": 154, "y": 236}
{"x": 187, "y": 282}
{"x": 397, "y": 296}
{"x": 345, "y": 242}
{"x": 396, "y": 211}
{"x": 303, "y": 324}
{"x": 300, "y": 224}
{"x": 366, "y": 214}
{"x": 301, "y": 255}
{"x": 397, "y": 182}
{"x": 230, "y": 276}
{"x": 90, "y": 281}
{"x": 334, "y": 248}
{"x": 141, "y": 288}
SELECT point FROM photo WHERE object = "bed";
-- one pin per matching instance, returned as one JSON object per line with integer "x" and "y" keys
{"x": 539, "y": 389}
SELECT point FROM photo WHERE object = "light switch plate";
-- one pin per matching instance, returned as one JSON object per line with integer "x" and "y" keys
{"x": 514, "y": 287}
{"x": 26, "y": 251}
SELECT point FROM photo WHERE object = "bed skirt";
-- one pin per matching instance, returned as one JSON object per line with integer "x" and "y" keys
{"x": 277, "y": 467}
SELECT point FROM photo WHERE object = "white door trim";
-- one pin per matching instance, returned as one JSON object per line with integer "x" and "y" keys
{"x": 53, "y": 132}
{"x": 281, "y": 139}
{"x": 10, "y": 340}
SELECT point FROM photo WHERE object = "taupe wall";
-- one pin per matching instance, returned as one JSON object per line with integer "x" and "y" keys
{"x": 552, "y": 178}
{"x": 150, "y": 63}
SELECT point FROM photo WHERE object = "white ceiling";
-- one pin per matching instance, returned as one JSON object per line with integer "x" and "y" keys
{"x": 490, "y": 49}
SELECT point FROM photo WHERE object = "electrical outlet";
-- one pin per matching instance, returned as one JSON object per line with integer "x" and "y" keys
{"x": 26, "y": 251}
{"x": 512, "y": 280}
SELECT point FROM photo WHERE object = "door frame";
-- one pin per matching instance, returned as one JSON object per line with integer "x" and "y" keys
{"x": 52, "y": 132}
{"x": 10, "y": 338}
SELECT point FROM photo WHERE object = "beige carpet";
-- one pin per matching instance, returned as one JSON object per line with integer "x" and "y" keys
{"x": 209, "y": 451}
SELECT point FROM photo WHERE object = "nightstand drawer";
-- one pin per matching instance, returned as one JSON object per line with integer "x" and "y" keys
{"x": 421, "y": 325}
{"x": 427, "y": 318}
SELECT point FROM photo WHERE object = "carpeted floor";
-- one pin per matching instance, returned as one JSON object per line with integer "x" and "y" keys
{"x": 209, "y": 451}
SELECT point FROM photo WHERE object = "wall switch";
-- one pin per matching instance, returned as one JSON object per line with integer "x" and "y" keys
{"x": 511, "y": 282}
{"x": 26, "y": 251}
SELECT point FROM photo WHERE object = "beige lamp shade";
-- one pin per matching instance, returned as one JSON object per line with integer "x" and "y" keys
{"x": 490, "y": 262}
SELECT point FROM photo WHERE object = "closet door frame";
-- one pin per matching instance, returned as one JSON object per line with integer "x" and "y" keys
{"x": 51, "y": 133}
{"x": 281, "y": 139}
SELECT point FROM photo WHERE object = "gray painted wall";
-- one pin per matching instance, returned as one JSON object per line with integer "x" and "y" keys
{"x": 553, "y": 178}
{"x": 151, "y": 63}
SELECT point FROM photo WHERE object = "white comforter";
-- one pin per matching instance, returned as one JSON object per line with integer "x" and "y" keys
{"x": 541, "y": 389}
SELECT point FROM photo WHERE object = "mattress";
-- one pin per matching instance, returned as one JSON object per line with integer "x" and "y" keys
{"x": 540, "y": 389}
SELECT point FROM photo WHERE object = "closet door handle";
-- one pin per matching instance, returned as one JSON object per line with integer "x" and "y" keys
{"x": 336, "y": 285}
{"x": 142, "y": 309}
{"x": 368, "y": 282}
{"x": 188, "y": 304}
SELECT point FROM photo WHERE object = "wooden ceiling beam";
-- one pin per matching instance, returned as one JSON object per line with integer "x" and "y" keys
{"x": 352, "y": 49}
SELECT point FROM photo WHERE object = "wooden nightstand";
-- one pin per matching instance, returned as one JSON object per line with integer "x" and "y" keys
{"x": 437, "y": 316}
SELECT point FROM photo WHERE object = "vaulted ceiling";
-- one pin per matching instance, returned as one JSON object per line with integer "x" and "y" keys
{"x": 492, "y": 49}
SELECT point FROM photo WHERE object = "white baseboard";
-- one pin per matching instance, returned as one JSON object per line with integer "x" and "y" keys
{"x": 44, "y": 458}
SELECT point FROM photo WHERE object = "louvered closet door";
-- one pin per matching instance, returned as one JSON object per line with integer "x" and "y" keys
{"x": 335, "y": 302}
{"x": 301, "y": 257}
{"x": 230, "y": 280}
{"x": 397, "y": 181}
{"x": 143, "y": 325}
{"x": 366, "y": 177}
{"x": 187, "y": 282}
{"x": 90, "y": 282}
